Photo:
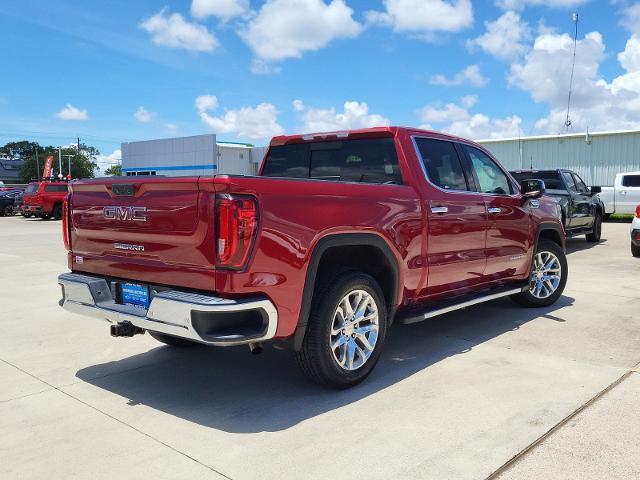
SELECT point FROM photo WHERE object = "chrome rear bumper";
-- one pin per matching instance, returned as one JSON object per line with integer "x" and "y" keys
{"x": 201, "y": 318}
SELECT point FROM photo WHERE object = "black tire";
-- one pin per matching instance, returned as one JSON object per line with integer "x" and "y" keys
{"x": 316, "y": 358}
{"x": 171, "y": 340}
{"x": 527, "y": 298}
{"x": 596, "y": 234}
{"x": 26, "y": 215}
{"x": 635, "y": 250}
{"x": 44, "y": 216}
{"x": 7, "y": 211}
{"x": 56, "y": 214}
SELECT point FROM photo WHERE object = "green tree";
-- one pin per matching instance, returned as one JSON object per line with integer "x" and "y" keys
{"x": 83, "y": 163}
{"x": 114, "y": 170}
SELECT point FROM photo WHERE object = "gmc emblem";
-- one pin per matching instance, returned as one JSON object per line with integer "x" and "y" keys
{"x": 126, "y": 214}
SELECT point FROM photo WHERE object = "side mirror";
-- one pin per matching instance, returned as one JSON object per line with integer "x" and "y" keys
{"x": 596, "y": 190}
{"x": 532, "y": 189}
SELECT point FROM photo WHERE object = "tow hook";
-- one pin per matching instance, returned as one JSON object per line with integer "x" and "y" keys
{"x": 125, "y": 329}
{"x": 256, "y": 348}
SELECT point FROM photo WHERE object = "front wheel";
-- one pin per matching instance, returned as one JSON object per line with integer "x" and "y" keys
{"x": 548, "y": 278}
{"x": 57, "y": 212}
{"x": 346, "y": 330}
{"x": 596, "y": 233}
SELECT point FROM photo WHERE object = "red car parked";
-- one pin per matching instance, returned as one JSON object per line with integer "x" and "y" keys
{"x": 44, "y": 199}
{"x": 341, "y": 235}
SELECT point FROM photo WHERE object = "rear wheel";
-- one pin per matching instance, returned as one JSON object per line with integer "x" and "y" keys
{"x": 635, "y": 250}
{"x": 595, "y": 235}
{"x": 57, "y": 212}
{"x": 7, "y": 211}
{"x": 171, "y": 340}
{"x": 548, "y": 276}
{"x": 346, "y": 330}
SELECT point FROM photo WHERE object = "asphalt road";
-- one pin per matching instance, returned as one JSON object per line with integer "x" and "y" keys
{"x": 457, "y": 397}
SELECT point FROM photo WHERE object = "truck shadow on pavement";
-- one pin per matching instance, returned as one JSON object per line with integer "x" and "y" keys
{"x": 231, "y": 390}
{"x": 579, "y": 244}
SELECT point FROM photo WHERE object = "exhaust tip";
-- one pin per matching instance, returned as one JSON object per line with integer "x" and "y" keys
{"x": 255, "y": 348}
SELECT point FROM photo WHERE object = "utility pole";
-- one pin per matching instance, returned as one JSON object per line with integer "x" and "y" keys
{"x": 78, "y": 146}
{"x": 37, "y": 165}
{"x": 567, "y": 122}
{"x": 69, "y": 162}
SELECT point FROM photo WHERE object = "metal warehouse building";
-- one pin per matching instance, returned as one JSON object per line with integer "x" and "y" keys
{"x": 183, "y": 156}
{"x": 596, "y": 157}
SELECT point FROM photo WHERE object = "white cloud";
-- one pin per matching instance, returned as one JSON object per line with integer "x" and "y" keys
{"x": 259, "y": 122}
{"x": 458, "y": 120}
{"x": 172, "y": 30}
{"x": 143, "y": 115}
{"x": 631, "y": 18}
{"x": 469, "y": 76}
{"x": 504, "y": 37}
{"x": 171, "y": 127}
{"x": 520, "y": 4}
{"x": 224, "y": 9}
{"x": 288, "y": 28}
{"x": 424, "y": 17}
{"x": 69, "y": 112}
{"x": 354, "y": 115}
{"x": 596, "y": 103}
{"x": 106, "y": 161}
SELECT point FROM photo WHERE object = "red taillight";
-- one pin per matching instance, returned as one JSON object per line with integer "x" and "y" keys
{"x": 638, "y": 211}
{"x": 65, "y": 224}
{"x": 237, "y": 223}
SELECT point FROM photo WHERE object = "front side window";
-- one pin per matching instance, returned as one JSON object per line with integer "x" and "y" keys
{"x": 490, "y": 177}
{"x": 571, "y": 184}
{"x": 31, "y": 188}
{"x": 580, "y": 185}
{"x": 442, "y": 164}
{"x": 631, "y": 181}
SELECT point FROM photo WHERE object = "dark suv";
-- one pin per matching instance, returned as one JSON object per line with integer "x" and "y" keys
{"x": 582, "y": 209}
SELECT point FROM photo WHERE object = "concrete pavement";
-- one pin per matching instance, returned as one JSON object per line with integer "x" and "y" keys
{"x": 456, "y": 397}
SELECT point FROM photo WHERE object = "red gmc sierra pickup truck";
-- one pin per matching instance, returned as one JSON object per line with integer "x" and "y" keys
{"x": 341, "y": 235}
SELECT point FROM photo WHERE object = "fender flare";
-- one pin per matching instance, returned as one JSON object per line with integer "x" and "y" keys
{"x": 337, "y": 240}
{"x": 550, "y": 226}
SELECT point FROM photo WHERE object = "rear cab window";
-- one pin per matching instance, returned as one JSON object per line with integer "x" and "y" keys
{"x": 360, "y": 160}
{"x": 551, "y": 180}
{"x": 56, "y": 188}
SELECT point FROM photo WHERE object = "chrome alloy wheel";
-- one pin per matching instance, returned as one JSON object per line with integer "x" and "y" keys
{"x": 354, "y": 330}
{"x": 546, "y": 275}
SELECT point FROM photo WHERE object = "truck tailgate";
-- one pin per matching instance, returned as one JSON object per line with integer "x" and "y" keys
{"x": 154, "y": 230}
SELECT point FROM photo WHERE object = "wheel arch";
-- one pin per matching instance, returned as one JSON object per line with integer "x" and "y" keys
{"x": 346, "y": 250}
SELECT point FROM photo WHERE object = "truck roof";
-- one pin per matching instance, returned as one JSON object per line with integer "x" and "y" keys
{"x": 370, "y": 132}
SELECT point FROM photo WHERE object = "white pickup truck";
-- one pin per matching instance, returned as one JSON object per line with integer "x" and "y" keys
{"x": 624, "y": 196}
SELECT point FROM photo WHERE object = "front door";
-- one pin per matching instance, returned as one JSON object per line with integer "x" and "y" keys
{"x": 580, "y": 209}
{"x": 508, "y": 243}
{"x": 457, "y": 218}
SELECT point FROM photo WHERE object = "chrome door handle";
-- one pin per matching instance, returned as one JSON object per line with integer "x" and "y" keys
{"x": 494, "y": 211}
{"x": 439, "y": 209}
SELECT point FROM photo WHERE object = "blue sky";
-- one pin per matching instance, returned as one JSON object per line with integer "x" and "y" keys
{"x": 129, "y": 70}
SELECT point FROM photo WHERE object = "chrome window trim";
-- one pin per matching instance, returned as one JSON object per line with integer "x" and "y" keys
{"x": 468, "y": 192}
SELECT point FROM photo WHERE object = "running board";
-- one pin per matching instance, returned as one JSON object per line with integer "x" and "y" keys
{"x": 445, "y": 307}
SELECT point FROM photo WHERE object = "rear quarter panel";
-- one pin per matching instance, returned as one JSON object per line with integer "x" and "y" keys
{"x": 296, "y": 214}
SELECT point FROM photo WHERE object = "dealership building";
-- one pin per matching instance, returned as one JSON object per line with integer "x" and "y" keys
{"x": 186, "y": 156}
{"x": 596, "y": 157}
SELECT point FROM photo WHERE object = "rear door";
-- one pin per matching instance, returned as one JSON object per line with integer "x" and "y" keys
{"x": 508, "y": 220}
{"x": 154, "y": 229}
{"x": 628, "y": 197}
{"x": 457, "y": 220}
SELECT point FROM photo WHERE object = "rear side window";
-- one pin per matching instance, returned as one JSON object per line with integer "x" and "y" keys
{"x": 442, "y": 164}
{"x": 631, "y": 181}
{"x": 571, "y": 184}
{"x": 55, "y": 188}
{"x": 365, "y": 161}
